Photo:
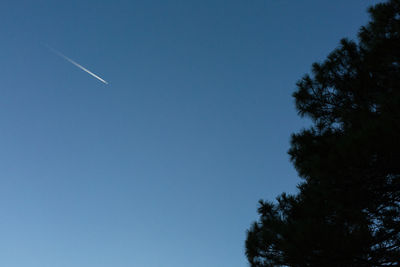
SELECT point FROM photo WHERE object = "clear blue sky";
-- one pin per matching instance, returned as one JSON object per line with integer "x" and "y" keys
{"x": 164, "y": 166}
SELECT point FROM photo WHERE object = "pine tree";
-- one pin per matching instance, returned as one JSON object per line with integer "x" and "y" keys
{"x": 347, "y": 210}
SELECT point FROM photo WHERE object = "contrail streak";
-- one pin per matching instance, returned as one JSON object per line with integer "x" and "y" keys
{"x": 76, "y": 64}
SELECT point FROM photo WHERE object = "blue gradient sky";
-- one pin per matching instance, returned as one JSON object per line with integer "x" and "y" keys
{"x": 164, "y": 166}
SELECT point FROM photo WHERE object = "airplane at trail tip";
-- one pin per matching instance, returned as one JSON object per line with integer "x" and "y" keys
{"x": 75, "y": 63}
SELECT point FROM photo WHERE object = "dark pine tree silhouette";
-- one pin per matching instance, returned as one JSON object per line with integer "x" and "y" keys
{"x": 347, "y": 209}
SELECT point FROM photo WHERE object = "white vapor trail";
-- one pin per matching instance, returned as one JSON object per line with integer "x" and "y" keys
{"x": 76, "y": 64}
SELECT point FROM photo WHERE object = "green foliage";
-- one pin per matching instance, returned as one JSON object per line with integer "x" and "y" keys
{"x": 347, "y": 211}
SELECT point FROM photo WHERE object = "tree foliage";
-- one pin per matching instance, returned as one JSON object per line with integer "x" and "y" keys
{"x": 347, "y": 210}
